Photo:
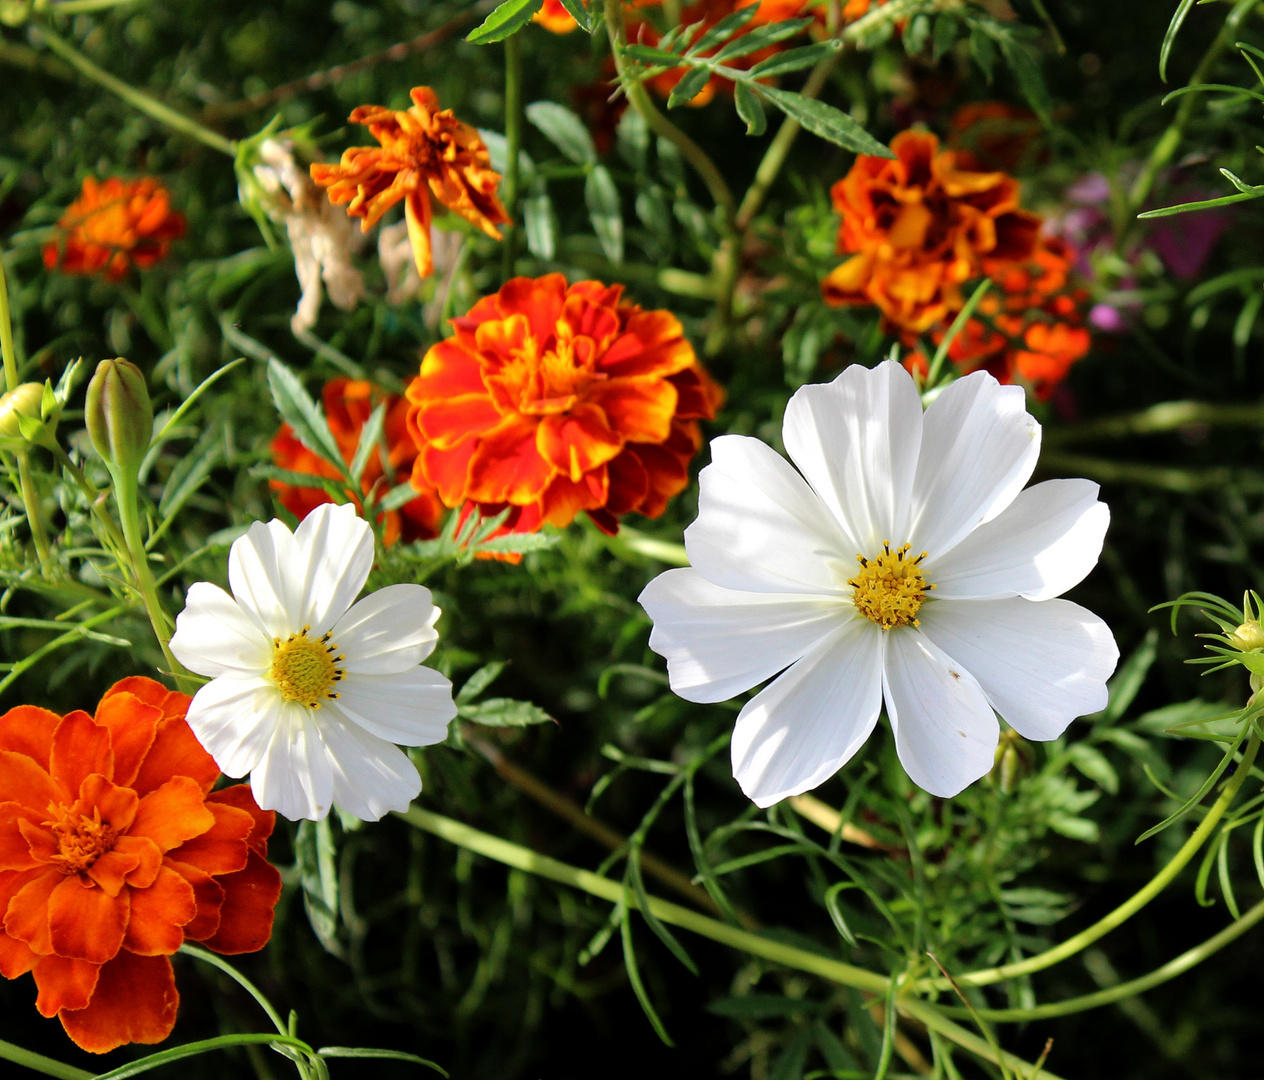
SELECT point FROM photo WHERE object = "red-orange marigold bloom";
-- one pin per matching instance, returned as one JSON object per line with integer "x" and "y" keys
{"x": 348, "y": 405}
{"x": 554, "y": 17}
{"x": 113, "y": 226}
{"x": 424, "y": 151}
{"x": 920, "y": 225}
{"x": 551, "y": 399}
{"x": 113, "y": 852}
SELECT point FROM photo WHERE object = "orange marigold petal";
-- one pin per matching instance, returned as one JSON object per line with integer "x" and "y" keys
{"x": 132, "y": 725}
{"x": 172, "y": 704}
{"x": 112, "y": 870}
{"x": 24, "y": 781}
{"x": 159, "y": 914}
{"x": 245, "y": 918}
{"x": 148, "y": 859}
{"x": 444, "y": 471}
{"x": 172, "y": 814}
{"x": 445, "y": 422}
{"x": 85, "y": 922}
{"x": 16, "y": 821}
{"x": 80, "y": 748}
{"x": 506, "y": 466}
{"x": 135, "y": 1001}
{"x": 208, "y": 895}
{"x": 175, "y": 752}
{"x": 16, "y": 957}
{"x": 115, "y": 804}
{"x": 417, "y": 215}
{"x": 580, "y": 440}
{"x": 652, "y": 343}
{"x": 28, "y": 730}
{"x": 241, "y": 797}
{"x": 222, "y": 849}
{"x": 539, "y": 299}
{"x": 640, "y": 410}
{"x": 64, "y": 983}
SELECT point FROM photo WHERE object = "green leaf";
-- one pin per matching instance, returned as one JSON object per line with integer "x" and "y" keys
{"x": 191, "y": 471}
{"x": 724, "y": 29}
{"x": 580, "y": 14}
{"x": 176, "y": 1053}
{"x": 366, "y": 1052}
{"x": 1026, "y": 67}
{"x": 1126, "y": 683}
{"x": 689, "y": 87}
{"x": 369, "y": 436}
{"x": 602, "y": 198}
{"x": 647, "y": 54}
{"x": 508, "y": 18}
{"x": 750, "y": 109}
{"x": 760, "y": 38}
{"x": 945, "y": 35}
{"x": 297, "y": 409}
{"x": 398, "y": 496}
{"x": 314, "y": 854}
{"x": 1093, "y": 764}
{"x": 916, "y": 34}
{"x": 983, "y": 51}
{"x": 539, "y": 223}
{"x": 564, "y": 130}
{"x": 480, "y": 681}
{"x": 634, "y": 973}
{"x": 1204, "y": 204}
{"x": 504, "y": 712}
{"x": 794, "y": 59}
{"x": 1169, "y": 39}
{"x": 824, "y": 120}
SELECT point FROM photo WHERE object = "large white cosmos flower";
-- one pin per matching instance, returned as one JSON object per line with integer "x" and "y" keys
{"x": 310, "y": 692}
{"x": 905, "y": 564}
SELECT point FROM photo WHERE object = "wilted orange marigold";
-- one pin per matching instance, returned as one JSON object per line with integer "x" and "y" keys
{"x": 113, "y": 852}
{"x": 550, "y": 400}
{"x": 424, "y": 151}
{"x": 920, "y": 225}
{"x": 348, "y": 405}
{"x": 113, "y": 226}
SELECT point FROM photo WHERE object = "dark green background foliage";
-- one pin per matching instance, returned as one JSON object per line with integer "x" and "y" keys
{"x": 441, "y": 953}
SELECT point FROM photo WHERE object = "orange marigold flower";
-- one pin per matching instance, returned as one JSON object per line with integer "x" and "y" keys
{"x": 348, "y": 405}
{"x": 424, "y": 151}
{"x": 113, "y": 226}
{"x": 113, "y": 852}
{"x": 550, "y": 399}
{"x": 920, "y": 225}
{"x": 554, "y": 17}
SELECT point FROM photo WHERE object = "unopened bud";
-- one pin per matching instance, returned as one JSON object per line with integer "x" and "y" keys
{"x": 119, "y": 415}
{"x": 22, "y": 419}
{"x": 1248, "y": 636}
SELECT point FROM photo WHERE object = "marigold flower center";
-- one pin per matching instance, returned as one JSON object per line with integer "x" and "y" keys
{"x": 305, "y": 669}
{"x": 81, "y": 840}
{"x": 890, "y": 587}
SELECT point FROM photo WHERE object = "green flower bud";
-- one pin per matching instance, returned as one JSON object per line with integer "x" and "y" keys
{"x": 119, "y": 415}
{"x": 1248, "y": 636}
{"x": 21, "y": 417}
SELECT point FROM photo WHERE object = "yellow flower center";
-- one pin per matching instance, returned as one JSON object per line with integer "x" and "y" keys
{"x": 890, "y": 588}
{"x": 81, "y": 840}
{"x": 305, "y": 669}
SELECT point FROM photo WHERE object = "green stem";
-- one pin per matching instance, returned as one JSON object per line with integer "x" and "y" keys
{"x": 513, "y": 141}
{"x": 31, "y": 659}
{"x": 151, "y": 106}
{"x": 39, "y": 1063}
{"x": 1164, "y": 417}
{"x": 95, "y": 497}
{"x": 1123, "y": 991}
{"x": 34, "y": 513}
{"x": 10, "y": 354}
{"x": 522, "y": 858}
{"x": 240, "y": 979}
{"x": 129, "y": 515}
{"x": 1126, "y": 910}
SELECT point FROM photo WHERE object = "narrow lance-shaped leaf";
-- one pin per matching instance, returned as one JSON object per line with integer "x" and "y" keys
{"x": 303, "y": 415}
{"x": 689, "y": 87}
{"x": 760, "y": 38}
{"x": 564, "y": 130}
{"x": 795, "y": 59}
{"x": 750, "y": 109}
{"x": 824, "y": 120}
{"x": 508, "y": 18}
{"x": 602, "y": 198}
{"x": 724, "y": 29}
{"x": 579, "y": 13}
{"x": 369, "y": 436}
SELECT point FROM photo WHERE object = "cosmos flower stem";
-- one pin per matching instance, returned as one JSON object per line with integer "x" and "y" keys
{"x": 1130, "y": 907}
{"x": 41, "y": 1064}
{"x": 510, "y": 854}
{"x": 240, "y": 979}
{"x": 138, "y": 99}
{"x": 513, "y": 139}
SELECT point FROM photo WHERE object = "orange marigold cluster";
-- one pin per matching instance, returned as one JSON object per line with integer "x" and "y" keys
{"x": 552, "y": 399}
{"x": 114, "y": 226}
{"x": 424, "y": 151}
{"x": 348, "y": 405}
{"x": 114, "y": 851}
{"x": 919, "y": 226}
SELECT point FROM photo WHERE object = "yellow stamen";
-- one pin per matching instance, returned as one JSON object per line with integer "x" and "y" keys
{"x": 890, "y": 588}
{"x": 305, "y": 669}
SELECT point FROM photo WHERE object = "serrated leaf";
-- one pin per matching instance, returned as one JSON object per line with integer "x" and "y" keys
{"x": 724, "y": 29}
{"x": 304, "y": 416}
{"x": 760, "y": 38}
{"x": 794, "y": 59}
{"x": 580, "y": 14}
{"x": 504, "y": 712}
{"x": 564, "y": 130}
{"x": 508, "y": 18}
{"x": 824, "y": 120}
{"x": 648, "y": 54}
{"x": 369, "y": 435}
{"x": 632, "y": 138}
{"x": 750, "y": 109}
{"x": 398, "y": 496}
{"x": 689, "y": 87}
{"x": 602, "y": 198}
{"x": 480, "y": 681}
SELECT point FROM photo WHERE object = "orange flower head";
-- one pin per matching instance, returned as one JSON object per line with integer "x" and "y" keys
{"x": 920, "y": 225}
{"x": 348, "y": 405}
{"x": 550, "y": 399}
{"x": 424, "y": 151}
{"x": 113, "y": 226}
{"x": 114, "y": 851}
{"x": 554, "y": 17}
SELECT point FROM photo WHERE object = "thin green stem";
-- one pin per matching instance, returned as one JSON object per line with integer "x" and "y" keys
{"x": 39, "y": 1063}
{"x": 513, "y": 145}
{"x": 240, "y": 979}
{"x": 35, "y": 513}
{"x": 958, "y": 324}
{"x": 96, "y": 498}
{"x": 1126, "y": 910}
{"x": 510, "y": 854}
{"x": 138, "y": 99}
{"x": 6, "y": 332}
{"x": 31, "y": 659}
{"x": 1157, "y": 419}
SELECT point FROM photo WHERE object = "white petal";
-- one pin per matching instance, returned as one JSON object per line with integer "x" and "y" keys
{"x": 857, "y": 441}
{"x": 979, "y": 448}
{"x": 945, "y": 730}
{"x": 264, "y": 575}
{"x": 215, "y": 637}
{"x": 1040, "y": 664}
{"x": 294, "y": 778}
{"x": 371, "y": 777}
{"x": 1043, "y": 543}
{"x": 760, "y": 527}
{"x": 335, "y": 551}
{"x": 720, "y": 642}
{"x": 234, "y": 720}
{"x": 805, "y": 725}
{"x": 389, "y": 630}
{"x": 410, "y": 707}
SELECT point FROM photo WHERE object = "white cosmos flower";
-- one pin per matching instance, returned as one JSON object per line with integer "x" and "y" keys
{"x": 310, "y": 691}
{"x": 905, "y": 564}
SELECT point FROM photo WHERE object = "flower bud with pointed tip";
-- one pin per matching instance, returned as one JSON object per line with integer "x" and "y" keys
{"x": 119, "y": 415}
{"x": 1248, "y": 636}
{"x": 20, "y": 415}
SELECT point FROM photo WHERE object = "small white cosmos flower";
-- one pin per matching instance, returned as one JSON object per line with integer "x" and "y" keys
{"x": 907, "y": 564}
{"x": 309, "y": 691}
